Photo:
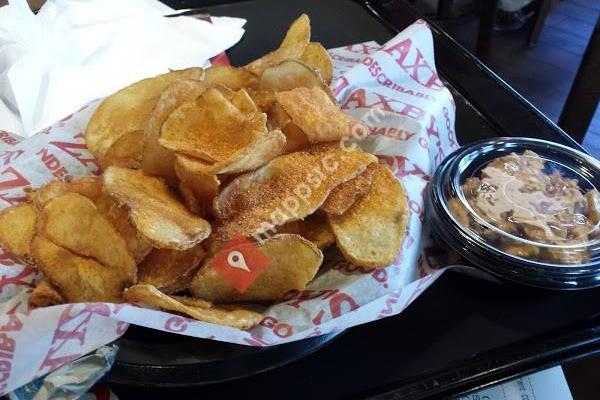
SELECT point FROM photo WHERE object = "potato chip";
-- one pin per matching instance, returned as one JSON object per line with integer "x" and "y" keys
{"x": 119, "y": 218}
{"x": 316, "y": 229}
{"x": 117, "y": 215}
{"x": 243, "y": 102}
{"x": 158, "y": 216}
{"x": 79, "y": 279}
{"x": 275, "y": 57}
{"x": 288, "y": 188}
{"x": 42, "y": 195}
{"x": 298, "y": 32}
{"x": 232, "y": 77}
{"x": 157, "y": 160}
{"x": 125, "y": 152}
{"x": 170, "y": 271}
{"x": 288, "y": 75}
{"x": 73, "y": 221}
{"x": 292, "y": 47}
{"x": 317, "y": 115}
{"x": 211, "y": 128}
{"x": 263, "y": 99}
{"x": 17, "y": 227}
{"x": 198, "y": 183}
{"x": 342, "y": 197}
{"x": 192, "y": 301}
{"x": 128, "y": 110}
{"x": 263, "y": 150}
{"x": 234, "y": 317}
{"x": 277, "y": 118}
{"x": 371, "y": 232}
{"x": 295, "y": 138}
{"x": 293, "y": 262}
{"x": 318, "y": 58}
{"x": 91, "y": 187}
{"x": 45, "y": 295}
{"x": 88, "y": 186}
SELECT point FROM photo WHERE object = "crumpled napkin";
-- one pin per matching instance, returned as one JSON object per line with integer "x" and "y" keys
{"x": 75, "y": 51}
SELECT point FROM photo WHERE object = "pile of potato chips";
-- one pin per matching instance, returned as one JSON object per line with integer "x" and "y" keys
{"x": 194, "y": 159}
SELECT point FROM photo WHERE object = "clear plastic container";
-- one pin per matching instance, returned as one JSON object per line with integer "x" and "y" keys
{"x": 525, "y": 209}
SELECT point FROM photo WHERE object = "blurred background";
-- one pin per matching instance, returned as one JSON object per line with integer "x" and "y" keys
{"x": 537, "y": 46}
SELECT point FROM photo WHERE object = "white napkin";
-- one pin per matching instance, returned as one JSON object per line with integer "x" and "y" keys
{"x": 75, "y": 51}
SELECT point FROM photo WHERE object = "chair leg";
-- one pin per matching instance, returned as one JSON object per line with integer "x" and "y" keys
{"x": 539, "y": 18}
{"x": 486, "y": 28}
{"x": 581, "y": 104}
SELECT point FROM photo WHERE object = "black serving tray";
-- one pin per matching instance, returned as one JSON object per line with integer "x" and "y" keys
{"x": 461, "y": 334}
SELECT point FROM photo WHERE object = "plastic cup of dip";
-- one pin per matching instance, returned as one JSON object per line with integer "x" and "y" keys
{"x": 526, "y": 210}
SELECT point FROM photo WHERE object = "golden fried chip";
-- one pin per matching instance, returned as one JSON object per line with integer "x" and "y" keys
{"x": 342, "y": 197}
{"x": 192, "y": 301}
{"x": 293, "y": 262}
{"x": 73, "y": 221}
{"x": 79, "y": 279}
{"x": 318, "y": 58}
{"x": 275, "y": 57}
{"x": 295, "y": 138}
{"x": 128, "y": 110}
{"x": 157, "y": 160}
{"x": 211, "y": 128}
{"x": 317, "y": 115}
{"x": 292, "y": 47}
{"x": 119, "y": 218}
{"x": 243, "y": 102}
{"x": 125, "y": 152}
{"x": 371, "y": 232}
{"x": 263, "y": 150}
{"x": 263, "y": 99}
{"x": 198, "y": 183}
{"x": 232, "y": 77}
{"x": 158, "y": 216}
{"x": 277, "y": 118}
{"x": 151, "y": 296}
{"x": 88, "y": 186}
{"x": 40, "y": 196}
{"x": 45, "y": 295}
{"x": 224, "y": 90}
{"x": 288, "y": 75}
{"x": 288, "y": 188}
{"x": 91, "y": 187}
{"x": 298, "y": 32}
{"x": 316, "y": 229}
{"x": 170, "y": 271}
{"x": 17, "y": 227}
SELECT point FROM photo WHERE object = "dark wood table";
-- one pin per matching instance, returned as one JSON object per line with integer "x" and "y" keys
{"x": 463, "y": 333}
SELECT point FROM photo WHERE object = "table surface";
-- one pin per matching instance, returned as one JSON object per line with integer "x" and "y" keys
{"x": 463, "y": 333}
